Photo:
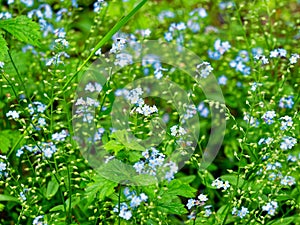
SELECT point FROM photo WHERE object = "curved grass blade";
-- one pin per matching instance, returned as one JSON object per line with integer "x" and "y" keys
{"x": 106, "y": 38}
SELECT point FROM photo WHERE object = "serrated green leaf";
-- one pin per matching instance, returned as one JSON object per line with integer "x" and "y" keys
{"x": 23, "y": 29}
{"x": 117, "y": 171}
{"x": 177, "y": 188}
{"x": 3, "y": 47}
{"x": 113, "y": 146}
{"x": 102, "y": 186}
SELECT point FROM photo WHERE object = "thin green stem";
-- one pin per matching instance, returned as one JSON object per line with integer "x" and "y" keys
{"x": 119, "y": 204}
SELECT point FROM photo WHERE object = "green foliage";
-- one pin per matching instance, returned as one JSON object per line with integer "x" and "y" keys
{"x": 23, "y": 29}
{"x": 7, "y": 198}
{"x": 3, "y": 47}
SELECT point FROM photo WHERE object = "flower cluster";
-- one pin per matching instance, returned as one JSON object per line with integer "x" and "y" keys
{"x": 85, "y": 108}
{"x": 250, "y": 119}
{"x": 195, "y": 16}
{"x": 177, "y": 131}
{"x": 218, "y": 183}
{"x": 60, "y": 136}
{"x": 270, "y": 208}
{"x": 203, "y": 110}
{"x": 288, "y": 143}
{"x": 118, "y": 45}
{"x": 46, "y": 148}
{"x": 220, "y": 48}
{"x": 204, "y": 69}
{"x": 267, "y": 141}
{"x": 134, "y": 97}
{"x": 56, "y": 59}
{"x": 294, "y": 58}
{"x": 135, "y": 201}
{"x": 39, "y": 220}
{"x": 3, "y": 166}
{"x": 241, "y": 212}
{"x": 193, "y": 202}
{"x": 269, "y": 116}
{"x": 124, "y": 212}
{"x": 173, "y": 31}
{"x": 288, "y": 181}
{"x": 277, "y": 53}
{"x": 93, "y": 87}
{"x": 286, "y": 122}
{"x": 286, "y": 102}
{"x": 36, "y": 110}
{"x": 153, "y": 163}
{"x": 239, "y": 63}
{"x": 13, "y": 114}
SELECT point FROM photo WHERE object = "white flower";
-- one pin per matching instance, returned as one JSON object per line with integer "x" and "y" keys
{"x": 14, "y": 114}
{"x": 202, "y": 198}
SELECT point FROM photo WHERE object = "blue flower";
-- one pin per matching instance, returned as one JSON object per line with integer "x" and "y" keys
{"x": 203, "y": 110}
{"x": 125, "y": 213}
{"x": 270, "y": 208}
{"x": 2, "y": 166}
{"x": 38, "y": 221}
{"x": 288, "y": 181}
{"x": 204, "y": 69}
{"x": 268, "y": 117}
{"x": 168, "y": 36}
{"x": 28, "y": 3}
{"x": 222, "y": 80}
{"x": 191, "y": 203}
{"x": 240, "y": 213}
{"x": 286, "y": 102}
{"x": 288, "y": 143}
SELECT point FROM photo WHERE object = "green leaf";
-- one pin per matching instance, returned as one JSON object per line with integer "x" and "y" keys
{"x": 143, "y": 179}
{"x": 122, "y": 137}
{"x": 8, "y": 198}
{"x": 8, "y": 138}
{"x": 52, "y": 188}
{"x": 102, "y": 186}
{"x": 177, "y": 188}
{"x": 187, "y": 179}
{"x": 57, "y": 208}
{"x": 221, "y": 213}
{"x": 233, "y": 179}
{"x": 113, "y": 146}
{"x": 23, "y": 29}
{"x": 4, "y": 143}
{"x": 173, "y": 208}
{"x": 3, "y": 47}
{"x": 134, "y": 156}
{"x": 117, "y": 171}
{"x": 282, "y": 221}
